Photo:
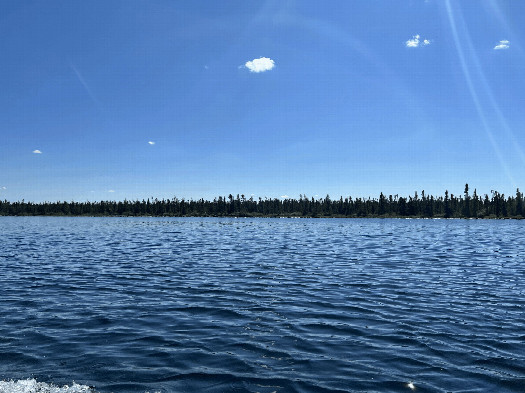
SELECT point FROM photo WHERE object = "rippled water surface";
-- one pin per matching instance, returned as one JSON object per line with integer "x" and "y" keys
{"x": 261, "y": 305}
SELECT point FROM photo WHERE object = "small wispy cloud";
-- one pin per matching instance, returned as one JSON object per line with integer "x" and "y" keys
{"x": 416, "y": 42}
{"x": 4, "y": 188}
{"x": 285, "y": 196}
{"x": 151, "y": 142}
{"x": 261, "y": 64}
{"x": 111, "y": 190}
{"x": 503, "y": 44}
{"x": 37, "y": 151}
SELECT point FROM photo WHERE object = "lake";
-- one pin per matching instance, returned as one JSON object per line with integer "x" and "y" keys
{"x": 261, "y": 305}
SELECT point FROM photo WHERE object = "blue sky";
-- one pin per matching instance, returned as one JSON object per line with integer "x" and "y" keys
{"x": 267, "y": 98}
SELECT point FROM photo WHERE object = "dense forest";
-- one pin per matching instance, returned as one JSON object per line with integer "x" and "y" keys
{"x": 425, "y": 206}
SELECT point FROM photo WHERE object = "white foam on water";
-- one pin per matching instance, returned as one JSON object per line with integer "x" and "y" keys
{"x": 32, "y": 386}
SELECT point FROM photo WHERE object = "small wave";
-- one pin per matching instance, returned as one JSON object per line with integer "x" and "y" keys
{"x": 32, "y": 386}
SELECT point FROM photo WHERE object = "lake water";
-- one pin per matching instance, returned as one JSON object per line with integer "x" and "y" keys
{"x": 261, "y": 305}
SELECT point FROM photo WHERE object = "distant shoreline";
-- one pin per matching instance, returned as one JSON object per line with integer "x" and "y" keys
{"x": 280, "y": 216}
{"x": 470, "y": 206}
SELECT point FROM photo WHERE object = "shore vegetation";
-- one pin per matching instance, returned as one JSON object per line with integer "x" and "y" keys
{"x": 421, "y": 205}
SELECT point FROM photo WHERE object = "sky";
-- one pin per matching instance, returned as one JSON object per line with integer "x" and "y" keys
{"x": 114, "y": 100}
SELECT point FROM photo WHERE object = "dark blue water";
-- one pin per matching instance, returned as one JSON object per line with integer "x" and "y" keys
{"x": 261, "y": 305}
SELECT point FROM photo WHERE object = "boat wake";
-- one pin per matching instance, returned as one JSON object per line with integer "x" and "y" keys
{"x": 32, "y": 386}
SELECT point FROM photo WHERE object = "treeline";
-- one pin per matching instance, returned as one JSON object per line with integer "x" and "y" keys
{"x": 448, "y": 206}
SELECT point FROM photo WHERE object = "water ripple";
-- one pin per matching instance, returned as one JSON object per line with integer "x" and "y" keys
{"x": 261, "y": 305}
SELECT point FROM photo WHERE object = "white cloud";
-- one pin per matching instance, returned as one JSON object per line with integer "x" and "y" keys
{"x": 151, "y": 143}
{"x": 285, "y": 196}
{"x": 260, "y": 65}
{"x": 4, "y": 188}
{"x": 111, "y": 190}
{"x": 37, "y": 151}
{"x": 415, "y": 42}
{"x": 503, "y": 44}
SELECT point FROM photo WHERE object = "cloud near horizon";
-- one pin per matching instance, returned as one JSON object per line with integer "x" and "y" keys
{"x": 503, "y": 44}
{"x": 261, "y": 64}
{"x": 415, "y": 42}
{"x": 37, "y": 151}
